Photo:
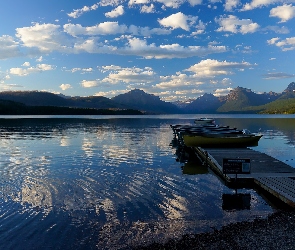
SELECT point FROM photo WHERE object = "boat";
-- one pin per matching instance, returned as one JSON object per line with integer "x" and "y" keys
{"x": 212, "y": 135}
{"x": 221, "y": 140}
{"x": 204, "y": 120}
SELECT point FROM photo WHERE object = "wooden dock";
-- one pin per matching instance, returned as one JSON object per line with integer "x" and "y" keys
{"x": 270, "y": 174}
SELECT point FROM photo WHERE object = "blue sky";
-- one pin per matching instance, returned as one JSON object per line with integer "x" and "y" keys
{"x": 175, "y": 49}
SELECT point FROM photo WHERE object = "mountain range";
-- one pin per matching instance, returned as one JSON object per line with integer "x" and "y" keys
{"x": 239, "y": 100}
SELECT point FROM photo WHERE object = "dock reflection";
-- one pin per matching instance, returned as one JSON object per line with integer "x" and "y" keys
{"x": 236, "y": 201}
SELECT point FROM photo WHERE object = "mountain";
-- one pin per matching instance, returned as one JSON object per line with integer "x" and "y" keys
{"x": 290, "y": 88}
{"x": 183, "y": 104}
{"x": 239, "y": 100}
{"x": 98, "y": 102}
{"x": 206, "y": 104}
{"x": 34, "y": 98}
{"x": 40, "y": 98}
{"x": 8, "y": 107}
{"x": 285, "y": 104}
{"x": 138, "y": 99}
{"x": 280, "y": 106}
{"x": 243, "y": 100}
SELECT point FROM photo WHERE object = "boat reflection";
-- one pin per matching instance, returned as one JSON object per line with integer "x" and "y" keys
{"x": 236, "y": 201}
{"x": 194, "y": 168}
{"x": 193, "y": 165}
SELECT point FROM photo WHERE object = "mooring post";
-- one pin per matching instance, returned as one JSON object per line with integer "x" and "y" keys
{"x": 236, "y": 183}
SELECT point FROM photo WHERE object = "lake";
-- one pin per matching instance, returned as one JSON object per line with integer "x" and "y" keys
{"x": 113, "y": 182}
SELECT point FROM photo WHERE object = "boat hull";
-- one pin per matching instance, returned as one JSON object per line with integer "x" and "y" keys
{"x": 201, "y": 121}
{"x": 221, "y": 141}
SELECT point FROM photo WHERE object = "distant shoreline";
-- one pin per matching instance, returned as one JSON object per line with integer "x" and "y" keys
{"x": 54, "y": 110}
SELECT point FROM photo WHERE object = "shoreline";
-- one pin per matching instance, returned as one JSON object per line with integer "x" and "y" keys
{"x": 277, "y": 231}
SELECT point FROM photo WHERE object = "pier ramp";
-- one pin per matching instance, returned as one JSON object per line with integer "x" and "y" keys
{"x": 270, "y": 174}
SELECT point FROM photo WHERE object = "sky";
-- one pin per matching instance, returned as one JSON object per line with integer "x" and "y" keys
{"x": 174, "y": 49}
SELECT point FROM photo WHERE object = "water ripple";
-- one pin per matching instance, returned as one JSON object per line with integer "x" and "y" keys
{"x": 103, "y": 184}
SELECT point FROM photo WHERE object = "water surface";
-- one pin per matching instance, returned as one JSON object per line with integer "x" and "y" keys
{"x": 116, "y": 182}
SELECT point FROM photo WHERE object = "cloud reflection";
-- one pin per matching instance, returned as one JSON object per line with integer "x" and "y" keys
{"x": 116, "y": 177}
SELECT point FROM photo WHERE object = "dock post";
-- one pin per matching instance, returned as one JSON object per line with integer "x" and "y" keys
{"x": 236, "y": 181}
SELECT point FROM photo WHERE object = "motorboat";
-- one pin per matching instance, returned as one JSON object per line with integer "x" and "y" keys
{"x": 211, "y": 135}
{"x": 204, "y": 120}
{"x": 221, "y": 140}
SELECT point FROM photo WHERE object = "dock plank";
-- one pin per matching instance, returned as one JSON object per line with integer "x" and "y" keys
{"x": 279, "y": 184}
{"x": 276, "y": 187}
{"x": 260, "y": 162}
{"x": 287, "y": 183}
{"x": 267, "y": 172}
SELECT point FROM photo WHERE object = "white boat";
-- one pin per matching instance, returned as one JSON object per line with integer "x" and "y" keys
{"x": 204, "y": 120}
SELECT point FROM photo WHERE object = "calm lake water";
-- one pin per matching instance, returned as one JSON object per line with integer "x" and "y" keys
{"x": 116, "y": 182}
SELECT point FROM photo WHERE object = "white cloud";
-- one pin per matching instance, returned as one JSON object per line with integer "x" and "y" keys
{"x": 277, "y": 29}
{"x": 202, "y": 77}
{"x": 285, "y": 12}
{"x": 90, "y": 46}
{"x": 110, "y": 67}
{"x": 8, "y": 47}
{"x": 215, "y": 1}
{"x": 78, "y": 12}
{"x": 249, "y": 28}
{"x": 147, "y": 32}
{"x": 213, "y": 68}
{"x": 49, "y": 37}
{"x": 111, "y": 2}
{"x": 195, "y": 2}
{"x": 105, "y": 28}
{"x": 200, "y": 29}
{"x": 40, "y": 59}
{"x": 273, "y": 40}
{"x": 231, "y": 4}
{"x": 73, "y": 70}
{"x": 26, "y": 64}
{"x": 119, "y": 11}
{"x": 171, "y": 3}
{"x": 286, "y": 44}
{"x": 45, "y": 37}
{"x": 133, "y": 2}
{"x": 18, "y": 71}
{"x": 82, "y": 70}
{"x": 148, "y": 9}
{"x": 277, "y": 75}
{"x": 23, "y": 72}
{"x": 258, "y": 4}
{"x": 178, "y": 20}
{"x": 110, "y": 93}
{"x": 235, "y": 25}
{"x": 178, "y": 81}
{"x": 128, "y": 75}
{"x": 87, "y": 69}
{"x": 222, "y": 92}
{"x": 89, "y": 84}
{"x": 65, "y": 86}
{"x": 140, "y": 47}
{"x": 190, "y": 86}
{"x": 112, "y": 28}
